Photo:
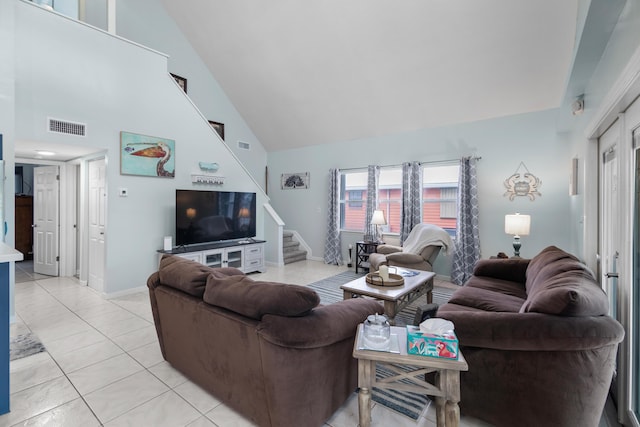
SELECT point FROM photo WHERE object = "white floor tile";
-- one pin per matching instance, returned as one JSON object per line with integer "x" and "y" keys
{"x": 36, "y": 400}
{"x": 74, "y": 342}
{"x": 167, "y": 374}
{"x": 122, "y": 327}
{"x": 73, "y": 414}
{"x": 148, "y": 355}
{"x": 32, "y": 370}
{"x": 203, "y": 421}
{"x": 100, "y": 374}
{"x": 196, "y": 396}
{"x": 166, "y": 410}
{"x": 137, "y": 338}
{"x": 224, "y": 416}
{"x": 89, "y": 355}
{"x": 120, "y": 397}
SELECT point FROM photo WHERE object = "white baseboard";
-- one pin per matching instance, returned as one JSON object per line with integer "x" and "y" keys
{"x": 124, "y": 292}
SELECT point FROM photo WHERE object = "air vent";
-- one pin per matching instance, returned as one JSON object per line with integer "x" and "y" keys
{"x": 244, "y": 145}
{"x": 68, "y": 128}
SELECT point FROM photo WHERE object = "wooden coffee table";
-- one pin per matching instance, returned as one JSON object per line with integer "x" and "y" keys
{"x": 395, "y": 298}
{"x": 447, "y": 379}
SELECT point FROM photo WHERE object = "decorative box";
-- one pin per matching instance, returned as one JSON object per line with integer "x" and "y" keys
{"x": 434, "y": 345}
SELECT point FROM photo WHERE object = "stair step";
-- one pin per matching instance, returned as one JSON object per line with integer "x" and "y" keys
{"x": 295, "y": 256}
{"x": 290, "y": 244}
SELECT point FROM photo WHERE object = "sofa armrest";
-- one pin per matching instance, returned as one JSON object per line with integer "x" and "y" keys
{"x": 388, "y": 249}
{"x": 532, "y": 331}
{"x": 513, "y": 269}
{"x": 325, "y": 325}
{"x": 405, "y": 258}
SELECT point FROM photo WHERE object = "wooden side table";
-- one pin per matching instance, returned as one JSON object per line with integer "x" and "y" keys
{"x": 446, "y": 388}
{"x": 363, "y": 250}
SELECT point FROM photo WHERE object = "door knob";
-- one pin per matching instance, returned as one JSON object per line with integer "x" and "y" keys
{"x": 34, "y": 225}
{"x": 611, "y": 275}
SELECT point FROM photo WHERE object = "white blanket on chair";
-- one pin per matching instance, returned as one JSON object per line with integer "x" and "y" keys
{"x": 424, "y": 235}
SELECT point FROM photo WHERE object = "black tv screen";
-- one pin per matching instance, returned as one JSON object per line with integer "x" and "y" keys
{"x": 212, "y": 216}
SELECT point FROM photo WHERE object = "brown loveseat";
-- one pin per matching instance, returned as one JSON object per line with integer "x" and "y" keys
{"x": 540, "y": 346}
{"x": 265, "y": 349}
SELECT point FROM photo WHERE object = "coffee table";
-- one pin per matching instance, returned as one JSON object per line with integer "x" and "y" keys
{"x": 394, "y": 298}
{"x": 446, "y": 388}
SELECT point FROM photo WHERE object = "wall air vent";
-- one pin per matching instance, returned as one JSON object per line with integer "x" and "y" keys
{"x": 244, "y": 145}
{"x": 68, "y": 128}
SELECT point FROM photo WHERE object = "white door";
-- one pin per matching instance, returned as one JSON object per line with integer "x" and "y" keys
{"x": 45, "y": 217}
{"x": 97, "y": 214}
{"x": 609, "y": 207}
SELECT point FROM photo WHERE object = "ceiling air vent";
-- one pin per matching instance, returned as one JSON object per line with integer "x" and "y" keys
{"x": 244, "y": 145}
{"x": 68, "y": 128}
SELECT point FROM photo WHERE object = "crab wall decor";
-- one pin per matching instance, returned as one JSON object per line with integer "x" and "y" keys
{"x": 522, "y": 184}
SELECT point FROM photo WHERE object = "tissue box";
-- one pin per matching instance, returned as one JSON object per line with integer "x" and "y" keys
{"x": 434, "y": 345}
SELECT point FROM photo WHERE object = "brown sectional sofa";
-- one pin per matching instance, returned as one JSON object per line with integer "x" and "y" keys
{"x": 267, "y": 350}
{"x": 540, "y": 346}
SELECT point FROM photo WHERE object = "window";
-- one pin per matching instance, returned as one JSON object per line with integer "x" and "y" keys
{"x": 390, "y": 198}
{"x": 353, "y": 200}
{"x": 439, "y": 196}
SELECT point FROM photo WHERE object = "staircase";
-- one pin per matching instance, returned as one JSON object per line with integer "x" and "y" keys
{"x": 291, "y": 249}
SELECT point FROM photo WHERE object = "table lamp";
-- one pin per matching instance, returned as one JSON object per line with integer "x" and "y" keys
{"x": 378, "y": 219}
{"x": 517, "y": 225}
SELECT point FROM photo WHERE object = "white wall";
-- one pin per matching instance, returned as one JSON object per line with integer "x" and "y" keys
{"x": 502, "y": 143}
{"x": 112, "y": 86}
{"x": 147, "y": 22}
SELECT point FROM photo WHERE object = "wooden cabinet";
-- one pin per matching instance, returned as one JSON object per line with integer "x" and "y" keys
{"x": 24, "y": 222}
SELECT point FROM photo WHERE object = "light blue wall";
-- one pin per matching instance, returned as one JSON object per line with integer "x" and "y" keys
{"x": 624, "y": 41}
{"x": 502, "y": 143}
{"x": 112, "y": 86}
{"x": 146, "y": 22}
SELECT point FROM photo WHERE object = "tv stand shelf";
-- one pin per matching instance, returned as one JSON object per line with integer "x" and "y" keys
{"x": 246, "y": 255}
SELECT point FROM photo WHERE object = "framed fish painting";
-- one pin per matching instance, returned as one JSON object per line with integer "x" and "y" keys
{"x": 147, "y": 155}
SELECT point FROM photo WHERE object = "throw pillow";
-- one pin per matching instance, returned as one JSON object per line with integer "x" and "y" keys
{"x": 254, "y": 299}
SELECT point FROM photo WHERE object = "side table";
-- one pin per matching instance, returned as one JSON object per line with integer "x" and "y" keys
{"x": 363, "y": 249}
{"x": 446, "y": 388}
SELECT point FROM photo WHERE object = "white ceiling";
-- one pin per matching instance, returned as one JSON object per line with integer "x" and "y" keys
{"x": 305, "y": 73}
{"x": 25, "y": 149}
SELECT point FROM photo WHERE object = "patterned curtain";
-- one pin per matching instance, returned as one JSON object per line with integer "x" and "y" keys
{"x": 332, "y": 245}
{"x": 411, "y": 202}
{"x": 373, "y": 178}
{"x": 467, "y": 248}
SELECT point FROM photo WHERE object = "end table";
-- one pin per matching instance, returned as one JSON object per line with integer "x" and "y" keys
{"x": 363, "y": 250}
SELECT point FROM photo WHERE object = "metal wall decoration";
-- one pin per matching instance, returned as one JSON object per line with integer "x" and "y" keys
{"x": 295, "y": 181}
{"x": 522, "y": 184}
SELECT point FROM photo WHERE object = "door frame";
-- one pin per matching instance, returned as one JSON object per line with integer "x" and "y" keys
{"x": 68, "y": 202}
{"x": 617, "y": 101}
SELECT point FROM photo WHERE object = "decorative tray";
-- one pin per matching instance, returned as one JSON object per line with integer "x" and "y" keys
{"x": 377, "y": 280}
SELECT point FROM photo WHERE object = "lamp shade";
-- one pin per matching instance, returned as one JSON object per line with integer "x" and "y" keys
{"x": 517, "y": 225}
{"x": 378, "y": 218}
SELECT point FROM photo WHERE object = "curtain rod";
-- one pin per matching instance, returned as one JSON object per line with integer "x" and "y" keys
{"x": 400, "y": 165}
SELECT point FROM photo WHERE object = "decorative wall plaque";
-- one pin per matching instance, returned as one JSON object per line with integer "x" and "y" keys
{"x": 522, "y": 184}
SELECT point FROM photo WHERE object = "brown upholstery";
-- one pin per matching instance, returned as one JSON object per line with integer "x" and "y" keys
{"x": 285, "y": 362}
{"x": 541, "y": 349}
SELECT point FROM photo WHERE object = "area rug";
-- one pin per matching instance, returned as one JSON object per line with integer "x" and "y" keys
{"x": 24, "y": 345}
{"x": 405, "y": 403}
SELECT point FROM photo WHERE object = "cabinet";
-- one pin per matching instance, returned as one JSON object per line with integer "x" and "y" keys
{"x": 248, "y": 257}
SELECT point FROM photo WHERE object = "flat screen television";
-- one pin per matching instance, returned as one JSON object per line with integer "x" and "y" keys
{"x": 213, "y": 216}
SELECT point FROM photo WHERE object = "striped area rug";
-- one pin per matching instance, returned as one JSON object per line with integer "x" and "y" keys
{"x": 405, "y": 403}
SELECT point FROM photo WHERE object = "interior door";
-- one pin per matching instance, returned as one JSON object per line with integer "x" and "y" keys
{"x": 97, "y": 224}
{"x": 46, "y": 190}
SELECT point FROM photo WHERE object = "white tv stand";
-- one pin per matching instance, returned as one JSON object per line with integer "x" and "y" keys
{"x": 246, "y": 255}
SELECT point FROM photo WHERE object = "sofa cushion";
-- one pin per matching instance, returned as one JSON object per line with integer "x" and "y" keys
{"x": 486, "y": 300}
{"x": 506, "y": 287}
{"x": 254, "y": 299}
{"x": 569, "y": 293}
{"x": 189, "y": 276}
{"x": 549, "y": 262}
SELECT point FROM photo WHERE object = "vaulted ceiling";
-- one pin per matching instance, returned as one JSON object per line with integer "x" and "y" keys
{"x": 305, "y": 73}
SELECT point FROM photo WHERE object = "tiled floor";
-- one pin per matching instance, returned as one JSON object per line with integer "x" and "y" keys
{"x": 103, "y": 365}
